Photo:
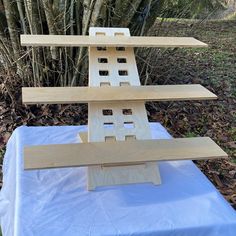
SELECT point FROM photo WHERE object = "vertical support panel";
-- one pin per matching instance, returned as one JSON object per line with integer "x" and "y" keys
{"x": 108, "y": 122}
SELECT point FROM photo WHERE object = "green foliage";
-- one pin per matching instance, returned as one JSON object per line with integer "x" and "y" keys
{"x": 190, "y": 135}
{"x": 191, "y": 9}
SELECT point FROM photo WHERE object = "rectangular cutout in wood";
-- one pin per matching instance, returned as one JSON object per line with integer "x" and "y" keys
{"x": 120, "y": 48}
{"x": 119, "y": 34}
{"x": 108, "y": 125}
{"x": 110, "y": 138}
{"x": 100, "y": 34}
{"x": 124, "y": 84}
{"x": 102, "y": 60}
{"x": 107, "y": 112}
{"x": 129, "y": 125}
{"x": 130, "y": 137}
{"x": 127, "y": 112}
{"x": 105, "y": 84}
{"x": 103, "y": 72}
{"x": 122, "y": 72}
{"x": 101, "y": 48}
{"x": 122, "y": 60}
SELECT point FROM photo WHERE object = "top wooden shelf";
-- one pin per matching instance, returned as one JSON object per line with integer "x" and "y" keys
{"x": 109, "y": 41}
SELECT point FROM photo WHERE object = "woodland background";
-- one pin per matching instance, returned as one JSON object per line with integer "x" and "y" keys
{"x": 211, "y": 21}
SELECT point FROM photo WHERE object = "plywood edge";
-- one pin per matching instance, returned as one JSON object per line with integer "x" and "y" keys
{"x": 64, "y": 95}
{"x": 109, "y": 41}
{"x": 100, "y": 153}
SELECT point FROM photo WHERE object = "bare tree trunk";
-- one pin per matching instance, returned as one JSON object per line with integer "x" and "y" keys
{"x": 48, "y": 8}
{"x": 21, "y": 14}
{"x": 64, "y": 66}
{"x": 13, "y": 32}
{"x": 124, "y": 12}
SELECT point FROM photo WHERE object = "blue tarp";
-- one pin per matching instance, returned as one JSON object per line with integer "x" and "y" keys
{"x": 56, "y": 202}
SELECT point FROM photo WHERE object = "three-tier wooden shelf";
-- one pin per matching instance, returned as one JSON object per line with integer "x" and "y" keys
{"x": 118, "y": 148}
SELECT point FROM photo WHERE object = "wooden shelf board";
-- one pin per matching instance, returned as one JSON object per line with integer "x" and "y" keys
{"x": 108, "y": 41}
{"x": 62, "y": 95}
{"x": 137, "y": 151}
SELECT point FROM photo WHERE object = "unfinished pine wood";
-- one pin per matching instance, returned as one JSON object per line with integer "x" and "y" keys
{"x": 118, "y": 148}
{"x": 98, "y": 153}
{"x": 83, "y": 137}
{"x": 108, "y": 41}
{"x": 117, "y": 121}
{"x": 60, "y": 95}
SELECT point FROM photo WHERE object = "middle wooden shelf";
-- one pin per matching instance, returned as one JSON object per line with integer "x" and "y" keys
{"x": 63, "y": 95}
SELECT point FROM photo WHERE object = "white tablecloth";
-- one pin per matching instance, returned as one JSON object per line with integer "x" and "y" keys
{"x": 55, "y": 202}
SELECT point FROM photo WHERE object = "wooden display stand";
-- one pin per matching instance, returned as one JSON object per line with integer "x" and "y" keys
{"x": 118, "y": 148}
{"x": 117, "y": 121}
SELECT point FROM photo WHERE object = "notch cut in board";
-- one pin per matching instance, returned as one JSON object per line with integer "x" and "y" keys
{"x": 108, "y": 41}
{"x": 56, "y": 95}
{"x": 136, "y": 151}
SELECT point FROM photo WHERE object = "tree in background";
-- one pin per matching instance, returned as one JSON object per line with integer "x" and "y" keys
{"x": 66, "y": 66}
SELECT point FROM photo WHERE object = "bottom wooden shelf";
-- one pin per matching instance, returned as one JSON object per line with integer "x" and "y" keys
{"x": 135, "y": 151}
